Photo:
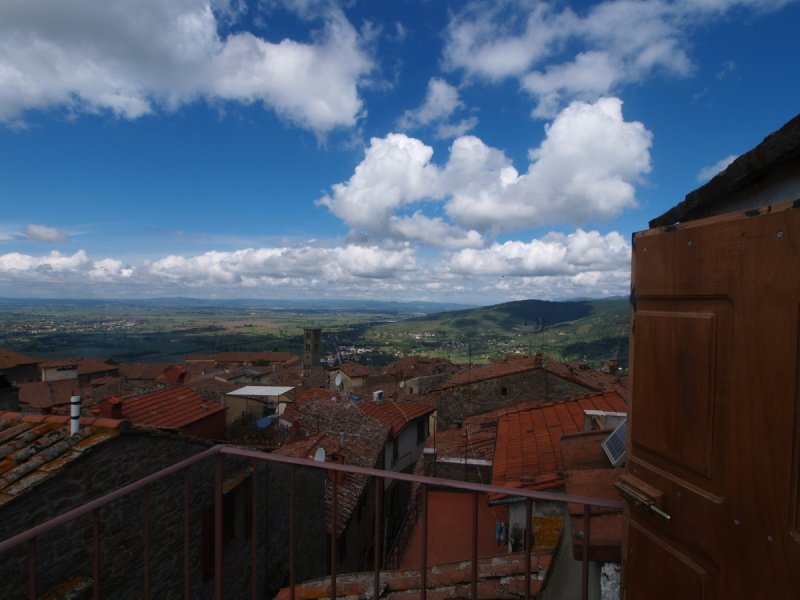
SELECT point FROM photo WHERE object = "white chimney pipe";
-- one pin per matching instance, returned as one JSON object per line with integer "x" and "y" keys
{"x": 74, "y": 414}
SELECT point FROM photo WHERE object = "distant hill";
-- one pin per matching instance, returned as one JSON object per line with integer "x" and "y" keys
{"x": 583, "y": 330}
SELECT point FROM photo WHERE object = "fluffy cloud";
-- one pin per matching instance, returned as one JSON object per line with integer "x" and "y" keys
{"x": 441, "y": 101}
{"x": 43, "y": 233}
{"x": 585, "y": 168}
{"x": 109, "y": 269}
{"x": 554, "y": 254}
{"x": 132, "y": 58}
{"x": 612, "y": 43}
{"x": 584, "y": 263}
{"x": 301, "y": 265}
{"x": 396, "y": 171}
{"x": 17, "y": 264}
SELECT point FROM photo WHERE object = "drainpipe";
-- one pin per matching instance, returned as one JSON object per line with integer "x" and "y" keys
{"x": 74, "y": 414}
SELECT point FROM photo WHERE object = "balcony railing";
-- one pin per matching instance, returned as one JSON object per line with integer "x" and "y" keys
{"x": 217, "y": 454}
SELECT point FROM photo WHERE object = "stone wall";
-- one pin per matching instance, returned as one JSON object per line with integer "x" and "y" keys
{"x": 65, "y": 554}
{"x": 456, "y": 403}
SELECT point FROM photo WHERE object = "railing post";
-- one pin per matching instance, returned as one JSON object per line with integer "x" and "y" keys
{"x": 474, "y": 545}
{"x": 377, "y": 538}
{"x": 424, "y": 567}
{"x": 334, "y": 517}
{"x": 146, "y": 556}
{"x": 292, "y": 532}
{"x": 528, "y": 545}
{"x": 254, "y": 530}
{"x": 585, "y": 565}
{"x": 32, "y": 569}
{"x": 186, "y": 539}
{"x": 218, "y": 527}
{"x": 96, "y": 554}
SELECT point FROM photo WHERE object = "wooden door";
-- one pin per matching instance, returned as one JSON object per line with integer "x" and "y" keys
{"x": 715, "y": 418}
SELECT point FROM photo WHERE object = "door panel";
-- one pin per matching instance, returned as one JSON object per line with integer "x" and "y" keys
{"x": 663, "y": 571}
{"x": 715, "y": 408}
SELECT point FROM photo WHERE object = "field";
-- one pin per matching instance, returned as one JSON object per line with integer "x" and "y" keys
{"x": 376, "y": 333}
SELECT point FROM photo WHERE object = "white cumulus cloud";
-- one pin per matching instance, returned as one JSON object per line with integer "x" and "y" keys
{"x": 135, "y": 57}
{"x": 586, "y": 167}
{"x": 16, "y": 263}
{"x": 301, "y": 265}
{"x": 554, "y": 254}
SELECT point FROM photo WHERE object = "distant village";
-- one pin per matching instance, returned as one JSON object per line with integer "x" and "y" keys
{"x": 525, "y": 421}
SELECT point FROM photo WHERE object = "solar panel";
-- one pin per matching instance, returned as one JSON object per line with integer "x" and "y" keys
{"x": 615, "y": 444}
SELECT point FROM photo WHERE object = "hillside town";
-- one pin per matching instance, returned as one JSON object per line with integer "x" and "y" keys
{"x": 273, "y": 475}
{"x": 418, "y": 415}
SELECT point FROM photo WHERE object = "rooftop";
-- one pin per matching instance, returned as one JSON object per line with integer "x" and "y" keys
{"x": 33, "y": 448}
{"x": 353, "y": 369}
{"x": 528, "y": 449}
{"x": 173, "y": 407}
{"x": 396, "y": 414}
{"x": 514, "y": 364}
{"x": 261, "y": 390}
{"x": 242, "y": 357}
{"x": 10, "y": 359}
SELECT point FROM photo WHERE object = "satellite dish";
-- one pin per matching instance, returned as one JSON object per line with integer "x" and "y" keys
{"x": 319, "y": 455}
{"x": 402, "y": 384}
{"x": 338, "y": 379}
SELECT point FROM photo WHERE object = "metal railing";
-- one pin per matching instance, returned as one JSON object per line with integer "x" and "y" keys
{"x": 217, "y": 453}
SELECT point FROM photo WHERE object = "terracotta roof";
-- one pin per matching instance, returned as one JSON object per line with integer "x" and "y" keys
{"x": 242, "y": 357}
{"x": 173, "y": 407}
{"x": 419, "y": 366}
{"x": 60, "y": 362}
{"x": 527, "y": 453}
{"x": 472, "y": 441}
{"x": 327, "y": 421}
{"x": 173, "y": 375}
{"x": 34, "y": 447}
{"x": 498, "y": 577}
{"x": 89, "y": 366}
{"x": 49, "y": 394}
{"x": 141, "y": 371}
{"x": 396, "y": 414}
{"x": 353, "y": 369}
{"x": 10, "y": 359}
{"x": 211, "y": 389}
{"x": 316, "y": 393}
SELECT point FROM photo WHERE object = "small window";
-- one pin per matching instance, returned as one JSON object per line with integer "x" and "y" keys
{"x": 420, "y": 431}
{"x": 504, "y": 391}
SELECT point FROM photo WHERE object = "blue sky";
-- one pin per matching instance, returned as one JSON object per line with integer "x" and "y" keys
{"x": 408, "y": 150}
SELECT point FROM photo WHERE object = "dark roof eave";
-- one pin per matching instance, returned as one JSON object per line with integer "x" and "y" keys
{"x": 777, "y": 148}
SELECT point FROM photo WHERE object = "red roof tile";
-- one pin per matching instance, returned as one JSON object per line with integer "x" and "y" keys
{"x": 173, "y": 407}
{"x": 353, "y": 369}
{"x": 10, "y": 359}
{"x": 527, "y": 451}
{"x": 396, "y": 414}
{"x": 498, "y": 577}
